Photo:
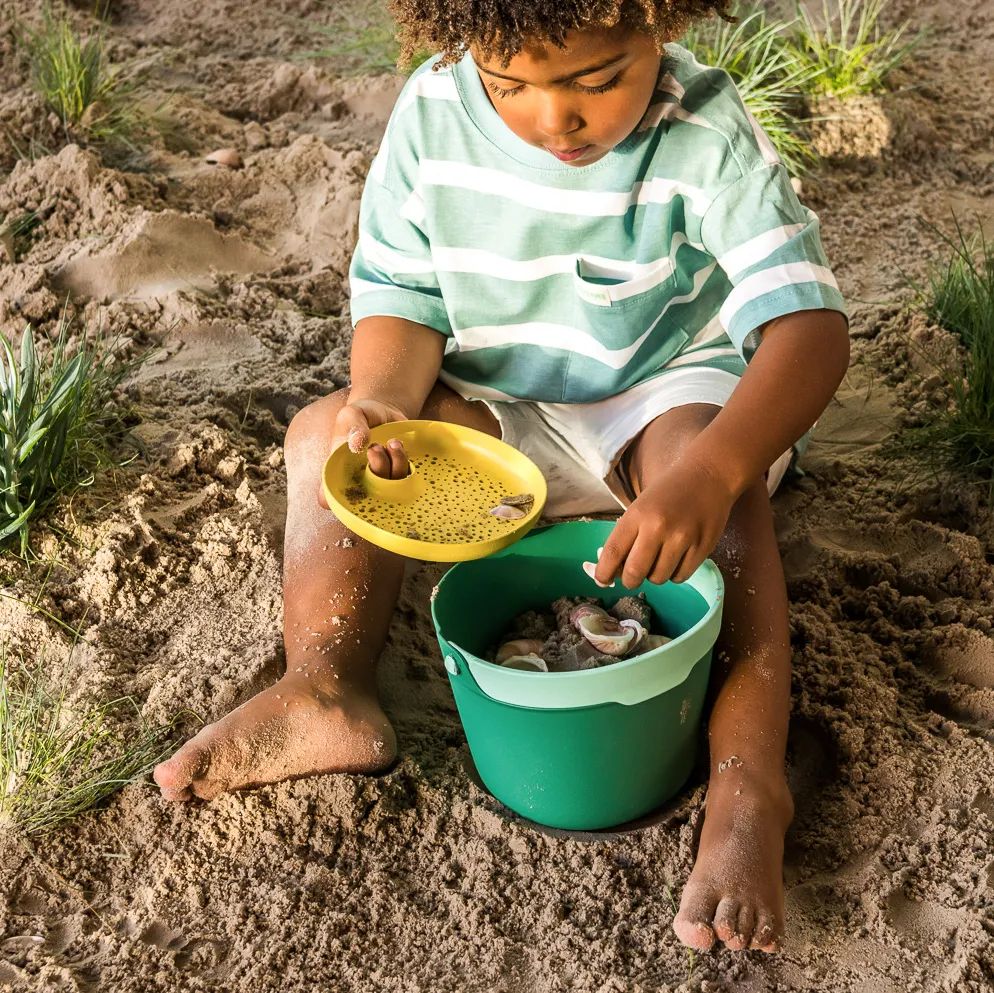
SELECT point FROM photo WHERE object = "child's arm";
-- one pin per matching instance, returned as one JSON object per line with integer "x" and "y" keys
{"x": 675, "y": 524}
{"x": 394, "y": 363}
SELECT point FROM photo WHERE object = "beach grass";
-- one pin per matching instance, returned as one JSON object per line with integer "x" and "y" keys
{"x": 371, "y": 49}
{"x": 767, "y": 72}
{"x": 957, "y": 433}
{"x": 58, "y": 762}
{"x": 61, "y": 421}
{"x": 73, "y": 76}
{"x": 846, "y": 52}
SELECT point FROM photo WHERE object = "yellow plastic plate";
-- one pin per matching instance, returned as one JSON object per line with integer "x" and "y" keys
{"x": 441, "y": 511}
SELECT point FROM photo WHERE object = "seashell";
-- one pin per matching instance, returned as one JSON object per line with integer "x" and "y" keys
{"x": 582, "y": 610}
{"x": 526, "y": 663}
{"x": 508, "y": 513}
{"x": 640, "y": 632}
{"x": 602, "y": 631}
{"x": 520, "y": 646}
{"x": 225, "y": 156}
{"x": 518, "y": 500}
{"x": 651, "y": 642}
{"x": 591, "y": 567}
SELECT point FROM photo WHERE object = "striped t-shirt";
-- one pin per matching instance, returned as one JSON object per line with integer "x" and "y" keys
{"x": 569, "y": 284}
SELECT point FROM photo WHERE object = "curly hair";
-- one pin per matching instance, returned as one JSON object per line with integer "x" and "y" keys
{"x": 501, "y": 28}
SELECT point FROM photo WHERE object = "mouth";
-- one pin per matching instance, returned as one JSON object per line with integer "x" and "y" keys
{"x": 570, "y": 154}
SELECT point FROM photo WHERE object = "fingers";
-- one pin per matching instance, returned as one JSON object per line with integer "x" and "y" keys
{"x": 641, "y": 552}
{"x": 615, "y": 550}
{"x": 399, "y": 464}
{"x": 389, "y": 461}
{"x": 670, "y": 563}
{"x": 351, "y": 426}
{"x": 641, "y": 559}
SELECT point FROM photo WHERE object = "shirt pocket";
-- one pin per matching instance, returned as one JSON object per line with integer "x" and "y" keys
{"x": 624, "y": 333}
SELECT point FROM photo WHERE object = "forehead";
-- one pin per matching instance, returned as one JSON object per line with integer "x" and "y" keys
{"x": 542, "y": 61}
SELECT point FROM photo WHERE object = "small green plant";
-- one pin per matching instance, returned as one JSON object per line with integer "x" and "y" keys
{"x": 59, "y": 423}
{"x": 958, "y": 294}
{"x": 373, "y": 49}
{"x": 767, "y": 74}
{"x": 15, "y": 233}
{"x": 78, "y": 85}
{"x": 57, "y": 762}
{"x": 849, "y": 55}
{"x": 959, "y": 286}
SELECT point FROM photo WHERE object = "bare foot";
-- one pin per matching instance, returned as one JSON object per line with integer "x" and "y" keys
{"x": 291, "y": 729}
{"x": 735, "y": 892}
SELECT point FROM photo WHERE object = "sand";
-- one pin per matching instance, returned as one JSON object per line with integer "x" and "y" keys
{"x": 417, "y": 881}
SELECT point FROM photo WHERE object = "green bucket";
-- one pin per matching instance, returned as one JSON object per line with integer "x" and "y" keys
{"x": 577, "y": 750}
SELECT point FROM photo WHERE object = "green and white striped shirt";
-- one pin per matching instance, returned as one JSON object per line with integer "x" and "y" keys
{"x": 569, "y": 284}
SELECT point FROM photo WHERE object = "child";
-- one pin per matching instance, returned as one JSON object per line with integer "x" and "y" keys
{"x": 576, "y": 240}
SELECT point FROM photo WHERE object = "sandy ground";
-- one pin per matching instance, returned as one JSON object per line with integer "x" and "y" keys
{"x": 417, "y": 881}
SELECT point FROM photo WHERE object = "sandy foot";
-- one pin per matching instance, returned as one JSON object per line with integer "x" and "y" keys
{"x": 735, "y": 893}
{"x": 291, "y": 729}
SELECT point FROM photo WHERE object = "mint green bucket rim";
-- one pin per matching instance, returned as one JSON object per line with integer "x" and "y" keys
{"x": 628, "y": 682}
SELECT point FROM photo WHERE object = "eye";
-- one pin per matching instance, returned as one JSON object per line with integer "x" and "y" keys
{"x": 603, "y": 88}
{"x": 501, "y": 92}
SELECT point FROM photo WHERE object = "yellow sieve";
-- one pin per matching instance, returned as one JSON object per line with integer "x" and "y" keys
{"x": 441, "y": 511}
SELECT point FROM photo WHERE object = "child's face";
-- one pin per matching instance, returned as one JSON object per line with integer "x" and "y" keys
{"x": 579, "y": 102}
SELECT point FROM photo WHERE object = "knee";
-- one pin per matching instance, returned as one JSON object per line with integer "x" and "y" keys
{"x": 312, "y": 430}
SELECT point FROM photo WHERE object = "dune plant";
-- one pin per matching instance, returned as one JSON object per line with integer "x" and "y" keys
{"x": 766, "y": 72}
{"x": 58, "y": 421}
{"x": 958, "y": 294}
{"x": 78, "y": 84}
{"x": 848, "y": 54}
{"x": 372, "y": 49}
{"x": 58, "y": 762}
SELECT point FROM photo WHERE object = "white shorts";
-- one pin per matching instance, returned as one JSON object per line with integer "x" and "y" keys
{"x": 578, "y": 446}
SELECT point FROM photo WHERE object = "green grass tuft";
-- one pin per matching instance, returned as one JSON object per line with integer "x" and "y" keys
{"x": 767, "y": 73}
{"x": 957, "y": 436}
{"x": 77, "y": 83}
{"x": 849, "y": 55}
{"x": 372, "y": 49}
{"x": 59, "y": 422}
{"x": 57, "y": 763}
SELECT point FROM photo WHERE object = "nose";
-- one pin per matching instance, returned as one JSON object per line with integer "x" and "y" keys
{"x": 556, "y": 116}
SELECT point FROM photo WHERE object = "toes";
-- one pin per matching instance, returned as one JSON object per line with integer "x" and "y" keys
{"x": 178, "y": 777}
{"x": 766, "y": 934}
{"x": 726, "y": 919}
{"x": 693, "y": 923}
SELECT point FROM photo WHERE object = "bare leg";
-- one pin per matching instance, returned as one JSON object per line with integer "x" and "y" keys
{"x": 339, "y": 593}
{"x": 735, "y": 892}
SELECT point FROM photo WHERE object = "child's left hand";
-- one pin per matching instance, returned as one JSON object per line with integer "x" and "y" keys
{"x": 670, "y": 529}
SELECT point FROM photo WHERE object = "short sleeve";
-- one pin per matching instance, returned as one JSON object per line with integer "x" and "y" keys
{"x": 769, "y": 247}
{"x": 392, "y": 274}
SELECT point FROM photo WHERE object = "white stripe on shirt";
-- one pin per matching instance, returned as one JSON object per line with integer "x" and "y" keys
{"x": 583, "y": 203}
{"x": 565, "y": 338}
{"x": 766, "y": 149}
{"x": 389, "y": 260}
{"x": 432, "y": 85}
{"x": 756, "y": 249}
{"x": 776, "y": 278}
{"x": 667, "y": 111}
{"x": 629, "y": 274}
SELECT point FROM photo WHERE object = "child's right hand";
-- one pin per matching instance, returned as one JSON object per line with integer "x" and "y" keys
{"x": 352, "y": 427}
